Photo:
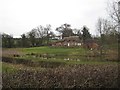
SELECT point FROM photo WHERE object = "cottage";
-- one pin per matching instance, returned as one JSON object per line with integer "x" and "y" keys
{"x": 74, "y": 41}
{"x": 68, "y": 41}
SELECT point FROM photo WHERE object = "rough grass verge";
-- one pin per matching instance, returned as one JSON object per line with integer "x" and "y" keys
{"x": 70, "y": 76}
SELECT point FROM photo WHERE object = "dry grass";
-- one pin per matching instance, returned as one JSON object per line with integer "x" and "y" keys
{"x": 112, "y": 55}
{"x": 10, "y": 52}
{"x": 72, "y": 76}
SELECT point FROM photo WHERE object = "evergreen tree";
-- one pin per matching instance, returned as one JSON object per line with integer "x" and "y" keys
{"x": 85, "y": 34}
{"x": 24, "y": 41}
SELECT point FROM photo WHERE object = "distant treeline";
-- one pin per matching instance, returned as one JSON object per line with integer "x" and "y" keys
{"x": 43, "y": 36}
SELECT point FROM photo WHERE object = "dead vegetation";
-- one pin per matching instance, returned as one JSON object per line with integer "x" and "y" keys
{"x": 74, "y": 76}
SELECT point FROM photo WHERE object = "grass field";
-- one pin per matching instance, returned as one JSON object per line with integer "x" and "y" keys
{"x": 53, "y": 50}
{"x": 69, "y": 64}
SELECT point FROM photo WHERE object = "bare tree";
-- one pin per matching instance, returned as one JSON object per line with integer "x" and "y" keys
{"x": 107, "y": 32}
{"x": 104, "y": 26}
{"x": 65, "y": 30}
{"x": 113, "y": 12}
{"x": 43, "y": 33}
{"x": 40, "y": 33}
{"x": 99, "y": 29}
{"x": 47, "y": 30}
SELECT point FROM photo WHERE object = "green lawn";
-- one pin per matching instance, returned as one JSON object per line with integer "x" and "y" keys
{"x": 60, "y": 55}
{"x": 55, "y": 50}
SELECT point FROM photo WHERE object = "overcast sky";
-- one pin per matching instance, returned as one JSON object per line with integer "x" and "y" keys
{"x": 20, "y": 16}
